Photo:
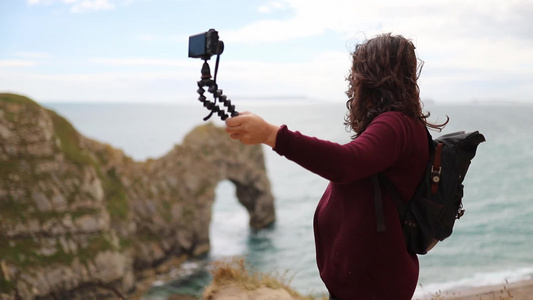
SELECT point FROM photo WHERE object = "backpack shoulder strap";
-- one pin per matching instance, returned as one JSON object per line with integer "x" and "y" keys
{"x": 378, "y": 199}
{"x": 400, "y": 205}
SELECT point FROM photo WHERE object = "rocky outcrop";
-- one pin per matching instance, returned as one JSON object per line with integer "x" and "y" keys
{"x": 81, "y": 220}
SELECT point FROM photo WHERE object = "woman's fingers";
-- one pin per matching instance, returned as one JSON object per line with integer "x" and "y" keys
{"x": 251, "y": 129}
{"x": 237, "y": 120}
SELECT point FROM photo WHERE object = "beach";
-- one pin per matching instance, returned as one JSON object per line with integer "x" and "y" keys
{"x": 521, "y": 290}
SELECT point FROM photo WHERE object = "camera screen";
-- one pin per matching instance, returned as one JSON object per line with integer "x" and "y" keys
{"x": 197, "y": 45}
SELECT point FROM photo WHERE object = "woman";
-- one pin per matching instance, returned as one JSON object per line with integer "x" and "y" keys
{"x": 384, "y": 110}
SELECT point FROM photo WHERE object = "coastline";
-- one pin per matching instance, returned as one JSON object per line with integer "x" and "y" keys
{"x": 520, "y": 290}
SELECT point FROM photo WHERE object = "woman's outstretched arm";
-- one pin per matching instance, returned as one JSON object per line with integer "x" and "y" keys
{"x": 383, "y": 142}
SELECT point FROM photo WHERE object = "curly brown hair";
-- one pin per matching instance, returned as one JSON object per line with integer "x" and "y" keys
{"x": 384, "y": 78}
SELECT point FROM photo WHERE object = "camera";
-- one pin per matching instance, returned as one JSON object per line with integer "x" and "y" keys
{"x": 205, "y": 45}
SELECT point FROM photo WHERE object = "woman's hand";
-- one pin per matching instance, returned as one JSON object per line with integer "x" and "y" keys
{"x": 251, "y": 129}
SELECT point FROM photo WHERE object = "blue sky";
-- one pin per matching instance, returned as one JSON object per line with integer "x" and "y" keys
{"x": 136, "y": 50}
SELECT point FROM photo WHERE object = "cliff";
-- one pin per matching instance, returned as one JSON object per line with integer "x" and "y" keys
{"x": 81, "y": 220}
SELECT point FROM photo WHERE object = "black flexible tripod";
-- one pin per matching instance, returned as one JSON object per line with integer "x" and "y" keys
{"x": 206, "y": 81}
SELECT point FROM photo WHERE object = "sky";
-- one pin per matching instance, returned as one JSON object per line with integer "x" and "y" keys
{"x": 137, "y": 50}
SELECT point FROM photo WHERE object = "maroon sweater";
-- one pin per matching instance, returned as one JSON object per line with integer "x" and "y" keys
{"x": 355, "y": 261}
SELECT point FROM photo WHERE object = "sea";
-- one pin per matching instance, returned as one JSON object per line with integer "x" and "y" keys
{"x": 491, "y": 244}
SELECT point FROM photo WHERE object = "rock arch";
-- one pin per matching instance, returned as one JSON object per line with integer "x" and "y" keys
{"x": 186, "y": 179}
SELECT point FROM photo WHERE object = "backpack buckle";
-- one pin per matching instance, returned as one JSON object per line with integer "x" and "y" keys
{"x": 435, "y": 174}
{"x": 435, "y": 178}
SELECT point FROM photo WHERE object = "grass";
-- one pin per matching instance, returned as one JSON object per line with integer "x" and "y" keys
{"x": 17, "y": 99}
{"x": 232, "y": 271}
{"x": 116, "y": 196}
{"x": 69, "y": 141}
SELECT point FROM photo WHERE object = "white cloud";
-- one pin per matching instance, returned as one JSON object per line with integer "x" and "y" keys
{"x": 444, "y": 20}
{"x": 142, "y": 61}
{"x": 33, "y": 55}
{"x": 151, "y": 83}
{"x": 78, "y": 6}
{"x": 469, "y": 47}
{"x": 102, "y": 86}
{"x": 41, "y": 2}
{"x": 460, "y": 40}
{"x": 272, "y": 31}
{"x": 321, "y": 78}
{"x": 179, "y": 80}
{"x": 91, "y": 5}
{"x": 16, "y": 63}
{"x": 272, "y": 6}
{"x": 163, "y": 39}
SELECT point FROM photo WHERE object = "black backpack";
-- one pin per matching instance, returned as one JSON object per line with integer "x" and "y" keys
{"x": 428, "y": 217}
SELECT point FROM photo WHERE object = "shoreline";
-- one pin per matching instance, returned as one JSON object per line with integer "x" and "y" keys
{"x": 519, "y": 290}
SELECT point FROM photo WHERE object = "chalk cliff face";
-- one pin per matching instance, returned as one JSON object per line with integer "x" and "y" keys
{"x": 81, "y": 220}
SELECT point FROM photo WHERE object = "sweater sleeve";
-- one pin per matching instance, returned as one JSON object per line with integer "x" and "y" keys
{"x": 383, "y": 143}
